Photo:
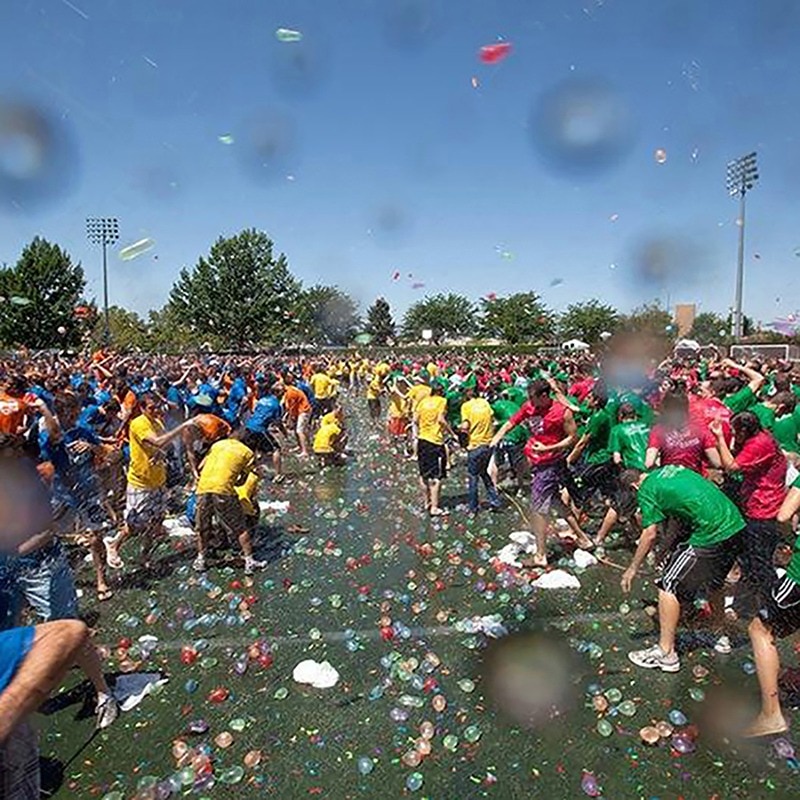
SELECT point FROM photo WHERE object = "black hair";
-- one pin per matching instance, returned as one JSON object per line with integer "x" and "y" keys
{"x": 538, "y": 387}
{"x": 745, "y": 426}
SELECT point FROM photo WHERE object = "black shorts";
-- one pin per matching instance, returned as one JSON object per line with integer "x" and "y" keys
{"x": 432, "y": 460}
{"x": 325, "y": 406}
{"x": 263, "y": 442}
{"x": 694, "y": 572}
{"x": 780, "y": 609}
{"x": 586, "y": 479}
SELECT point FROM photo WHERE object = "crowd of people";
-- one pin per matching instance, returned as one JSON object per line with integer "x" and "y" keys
{"x": 692, "y": 463}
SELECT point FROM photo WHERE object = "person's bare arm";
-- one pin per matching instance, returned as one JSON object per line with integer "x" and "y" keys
{"x": 54, "y": 650}
{"x": 651, "y": 458}
{"x": 580, "y": 446}
{"x": 646, "y": 541}
{"x": 51, "y": 423}
{"x": 164, "y": 439}
{"x": 754, "y": 376}
{"x": 726, "y": 459}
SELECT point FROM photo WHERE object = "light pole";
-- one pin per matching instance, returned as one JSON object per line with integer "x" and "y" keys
{"x": 103, "y": 231}
{"x": 742, "y": 175}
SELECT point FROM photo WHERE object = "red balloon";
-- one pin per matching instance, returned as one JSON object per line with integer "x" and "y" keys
{"x": 493, "y": 53}
{"x": 218, "y": 695}
{"x": 188, "y": 655}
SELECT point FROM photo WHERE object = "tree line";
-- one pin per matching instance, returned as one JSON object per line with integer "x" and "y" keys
{"x": 243, "y": 296}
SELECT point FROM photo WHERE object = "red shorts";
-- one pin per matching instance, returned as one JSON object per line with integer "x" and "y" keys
{"x": 397, "y": 426}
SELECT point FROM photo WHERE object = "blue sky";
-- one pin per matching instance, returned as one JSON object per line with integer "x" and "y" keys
{"x": 384, "y": 157}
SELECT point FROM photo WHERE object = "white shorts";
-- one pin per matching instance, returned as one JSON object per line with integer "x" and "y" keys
{"x": 302, "y": 422}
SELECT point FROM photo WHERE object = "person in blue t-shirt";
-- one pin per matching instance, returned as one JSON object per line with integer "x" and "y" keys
{"x": 267, "y": 417}
{"x": 76, "y": 490}
{"x": 234, "y": 403}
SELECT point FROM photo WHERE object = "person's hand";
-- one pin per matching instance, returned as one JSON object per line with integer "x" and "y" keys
{"x": 715, "y": 426}
{"x": 627, "y": 579}
{"x": 538, "y": 447}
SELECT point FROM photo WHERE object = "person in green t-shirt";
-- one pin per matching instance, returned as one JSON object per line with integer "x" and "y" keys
{"x": 509, "y": 454}
{"x": 769, "y": 410}
{"x": 628, "y": 446}
{"x": 699, "y": 565}
{"x": 592, "y": 469}
{"x": 779, "y": 617}
{"x": 745, "y": 397}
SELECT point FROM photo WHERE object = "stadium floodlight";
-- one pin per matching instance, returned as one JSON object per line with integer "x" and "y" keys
{"x": 103, "y": 231}
{"x": 742, "y": 176}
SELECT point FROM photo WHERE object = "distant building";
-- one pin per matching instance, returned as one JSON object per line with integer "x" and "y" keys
{"x": 684, "y": 318}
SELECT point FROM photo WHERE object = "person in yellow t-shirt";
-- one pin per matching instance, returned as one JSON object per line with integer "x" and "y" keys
{"x": 146, "y": 499}
{"x": 398, "y": 407}
{"x": 229, "y": 463}
{"x": 324, "y": 387}
{"x": 431, "y": 422}
{"x": 418, "y": 392}
{"x": 330, "y": 439}
{"x": 477, "y": 421}
{"x": 374, "y": 392}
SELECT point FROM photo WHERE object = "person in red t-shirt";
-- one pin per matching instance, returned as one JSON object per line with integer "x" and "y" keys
{"x": 758, "y": 457}
{"x": 553, "y": 433}
{"x": 676, "y": 440}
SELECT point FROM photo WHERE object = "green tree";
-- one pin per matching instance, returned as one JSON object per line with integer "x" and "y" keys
{"x": 241, "y": 295}
{"x": 708, "y": 326}
{"x": 586, "y": 321}
{"x": 40, "y": 294}
{"x": 517, "y": 318}
{"x": 443, "y": 314}
{"x": 648, "y": 318}
{"x": 167, "y": 334}
{"x": 380, "y": 324}
{"x": 327, "y": 315}
{"x": 128, "y": 330}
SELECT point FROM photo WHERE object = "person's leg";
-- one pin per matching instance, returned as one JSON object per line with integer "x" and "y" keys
{"x": 54, "y": 650}
{"x": 669, "y": 613}
{"x": 758, "y": 570}
{"x": 539, "y": 525}
{"x": 277, "y": 462}
{"x": 98, "y": 552}
{"x": 484, "y": 461}
{"x": 425, "y": 493}
{"x": 609, "y": 521}
{"x": 473, "y": 469}
{"x": 435, "y": 489}
{"x": 203, "y": 521}
{"x": 770, "y": 720}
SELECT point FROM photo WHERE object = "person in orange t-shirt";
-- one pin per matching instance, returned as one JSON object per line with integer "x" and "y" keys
{"x": 13, "y": 407}
{"x": 197, "y": 440}
{"x": 298, "y": 413}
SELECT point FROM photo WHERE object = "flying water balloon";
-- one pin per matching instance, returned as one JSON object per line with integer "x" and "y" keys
{"x": 136, "y": 249}
{"x": 494, "y": 53}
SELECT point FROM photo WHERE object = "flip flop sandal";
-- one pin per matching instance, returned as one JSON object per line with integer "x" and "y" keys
{"x": 106, "y": 594}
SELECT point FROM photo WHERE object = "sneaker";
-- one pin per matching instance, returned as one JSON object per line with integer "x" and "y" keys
{"x": 723, "y": 645}
{"x": 106, "y": 711}
{"x": 655, "y": 658}
{"x": 251, "y": 565}
{"x": 199, "y": 564}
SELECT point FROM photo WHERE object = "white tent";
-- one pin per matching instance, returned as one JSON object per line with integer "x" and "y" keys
{"x": 575, "y": 344}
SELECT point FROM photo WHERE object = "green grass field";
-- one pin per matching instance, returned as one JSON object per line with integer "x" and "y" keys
{"x": 371, "y": 555}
